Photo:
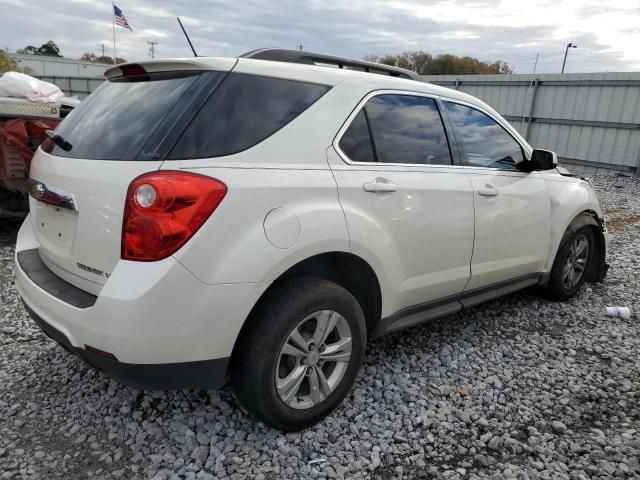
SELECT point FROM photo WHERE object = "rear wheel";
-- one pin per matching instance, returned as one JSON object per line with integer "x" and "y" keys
{"x": 300, "y": 354}
{"x": 571, "y": 264}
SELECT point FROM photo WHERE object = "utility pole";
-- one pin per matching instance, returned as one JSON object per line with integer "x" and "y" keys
{"x": 566, "y": 51}
{"x": 300, "y": 47}
{"x": 152, "y": 50}
{"x": 101, "y": 46}
{"x": 536, "y": 64}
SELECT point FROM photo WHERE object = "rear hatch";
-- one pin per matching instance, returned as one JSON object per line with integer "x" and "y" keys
{"x": 124, "y": 129}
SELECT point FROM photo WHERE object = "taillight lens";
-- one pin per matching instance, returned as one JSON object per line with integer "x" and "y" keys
{"x": 164, "y": 209}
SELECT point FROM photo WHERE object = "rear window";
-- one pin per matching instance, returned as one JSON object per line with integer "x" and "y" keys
{"x": 245, "y": 110}
{"x": 193, "y": 115}
{"x": 116, "y": 120}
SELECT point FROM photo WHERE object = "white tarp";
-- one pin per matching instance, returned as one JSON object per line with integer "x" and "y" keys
{"x": 20, "y": 85}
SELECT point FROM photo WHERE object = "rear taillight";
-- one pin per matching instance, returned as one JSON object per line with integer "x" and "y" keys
{"x": 164, "y": 209}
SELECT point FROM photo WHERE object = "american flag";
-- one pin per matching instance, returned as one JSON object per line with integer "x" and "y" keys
{"x": 120, "y": 18}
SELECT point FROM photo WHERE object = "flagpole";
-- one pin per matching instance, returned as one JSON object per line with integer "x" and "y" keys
{"x": 113, "y": 22}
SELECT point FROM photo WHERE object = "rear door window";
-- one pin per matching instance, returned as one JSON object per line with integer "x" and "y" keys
{"x": 243, "y": 111}
{"x": 403, "y": 129}
{"x": 116, "y": 120}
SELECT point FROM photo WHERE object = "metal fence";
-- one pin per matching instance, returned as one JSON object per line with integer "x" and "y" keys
{"x": 592, "y": 121}
{"x": 58, "y": 66}
{"x": 74, "y": 86}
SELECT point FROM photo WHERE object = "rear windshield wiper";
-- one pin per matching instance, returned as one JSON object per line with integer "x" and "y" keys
{"x": 58, "y": 140}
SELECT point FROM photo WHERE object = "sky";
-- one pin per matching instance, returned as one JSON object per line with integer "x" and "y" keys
{"x": 607, "y": 33}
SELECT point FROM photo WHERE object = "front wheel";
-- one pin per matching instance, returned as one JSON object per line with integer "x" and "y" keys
{"x": 571, "y": 264}
{"x": 300, "y": 353}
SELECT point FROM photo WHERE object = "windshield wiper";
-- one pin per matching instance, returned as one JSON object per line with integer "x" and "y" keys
{"x": 58, "y": 140}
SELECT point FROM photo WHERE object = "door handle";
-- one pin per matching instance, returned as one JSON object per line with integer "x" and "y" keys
{"x": 380, "y": 185}
{"x": 488, "y": 190}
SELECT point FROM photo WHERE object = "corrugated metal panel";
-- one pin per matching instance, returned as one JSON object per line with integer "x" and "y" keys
{"x": 74, "y": 86}
{"x": 592, "y": 119}
{"x": 58, "y": 66}
{"x": 612, "y": 98}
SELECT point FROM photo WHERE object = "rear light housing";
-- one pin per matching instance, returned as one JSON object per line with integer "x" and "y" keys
{"x": 164, "y": 209}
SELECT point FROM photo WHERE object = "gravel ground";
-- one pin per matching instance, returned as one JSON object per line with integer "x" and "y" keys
{"x": 517, "y": 388}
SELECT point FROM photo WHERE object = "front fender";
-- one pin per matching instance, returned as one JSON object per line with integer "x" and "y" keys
{"x": 573, "y": 205}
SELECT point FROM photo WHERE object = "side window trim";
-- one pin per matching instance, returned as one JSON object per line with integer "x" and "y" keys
{"x": 454, "y": 144}
{"x": 361, "y": 107}
{"x": 371, "y": 137}
{"x": 460, "y": 144}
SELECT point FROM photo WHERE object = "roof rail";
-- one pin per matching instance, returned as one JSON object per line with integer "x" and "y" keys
{"x": 309, "y": 58}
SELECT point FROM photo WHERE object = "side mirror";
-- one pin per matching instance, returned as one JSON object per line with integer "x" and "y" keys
{"x": 543, "y": 160}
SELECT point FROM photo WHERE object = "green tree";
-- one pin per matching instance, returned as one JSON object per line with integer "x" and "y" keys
{"x": 8, "y": 64}
{"x": 89, "y": 57}
{"x": 106, "y": 60}
{"x": 426, "y": 64}
{"x": 49, "y": 49}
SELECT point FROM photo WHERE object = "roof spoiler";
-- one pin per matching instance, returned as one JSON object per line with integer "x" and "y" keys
{"x": 309, "y": 58}
{"x": 145, "y": 67}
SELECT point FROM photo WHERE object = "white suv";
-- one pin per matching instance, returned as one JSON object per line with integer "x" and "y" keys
{"x": 260, "y": 218}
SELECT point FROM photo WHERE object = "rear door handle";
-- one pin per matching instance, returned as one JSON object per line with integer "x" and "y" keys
{"x": 380, "y": 185}
{"x": 488, "y": 190}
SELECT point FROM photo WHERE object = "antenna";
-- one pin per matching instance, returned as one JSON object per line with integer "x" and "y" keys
{"x": 152, "y": 50}
{"x": 188, "y": 40}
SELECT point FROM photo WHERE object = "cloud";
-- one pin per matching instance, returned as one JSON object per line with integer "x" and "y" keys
{"x": 607, "y": 35}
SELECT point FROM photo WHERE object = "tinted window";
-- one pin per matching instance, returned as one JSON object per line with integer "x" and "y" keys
{"x": 484, "y": 141}
{"x": 407, "y": 129}
{"x": 243, "y": 111}
{"x": 116, "y": 120}
{"x": 356, "y": 141}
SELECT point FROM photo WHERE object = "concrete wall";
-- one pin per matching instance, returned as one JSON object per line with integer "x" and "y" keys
{"x": 591, "y": 120}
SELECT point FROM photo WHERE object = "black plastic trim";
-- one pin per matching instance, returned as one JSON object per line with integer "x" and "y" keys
{"x": 372, "y": 139}
{"x": 453, "y": 303}
{"x": 33, "y": 266}
{"x": 169, "y": 131}
{"x": 201, "y": 375}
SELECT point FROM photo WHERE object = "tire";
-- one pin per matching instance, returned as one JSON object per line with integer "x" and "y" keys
{"x": 560, "y": 287}
{"x": 270, "y": 354}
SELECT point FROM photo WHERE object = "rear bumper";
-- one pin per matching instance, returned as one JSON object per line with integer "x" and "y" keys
{"x": 202, "y": 375}
{"x": 165, "y": 328}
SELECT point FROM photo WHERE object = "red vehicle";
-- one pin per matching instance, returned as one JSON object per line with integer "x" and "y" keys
{"x": 22, "y": 129}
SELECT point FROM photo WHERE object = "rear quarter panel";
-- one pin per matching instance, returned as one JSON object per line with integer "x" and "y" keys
{"x": 287, "y": 171}
{"x": 232, "y": 246}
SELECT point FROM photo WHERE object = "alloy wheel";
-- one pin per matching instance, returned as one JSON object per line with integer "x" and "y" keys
{"x": 313, "y": 359}
{"x": 576, "y": 262}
